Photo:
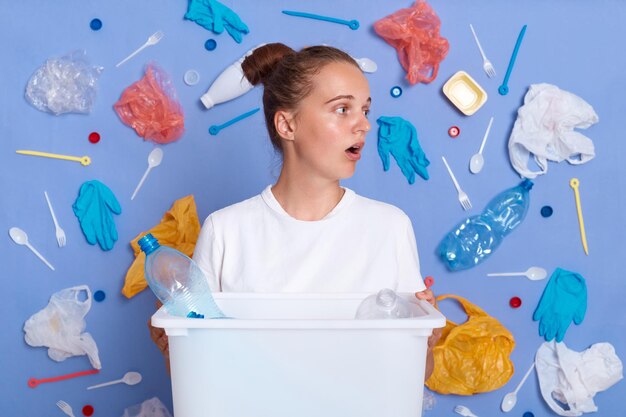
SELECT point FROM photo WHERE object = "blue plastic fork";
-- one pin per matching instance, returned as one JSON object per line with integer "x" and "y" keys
{"x": 352, "y": 24}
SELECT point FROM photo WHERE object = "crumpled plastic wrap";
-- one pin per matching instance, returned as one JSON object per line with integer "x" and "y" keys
{"x": 64, "y": 85}
{"x": 149, "y": 408}
{"x": 472, "y": 357}
{"x": 151, "y": 108}
{"x": 414, "y": 33}
{"x": 179, "y": 229}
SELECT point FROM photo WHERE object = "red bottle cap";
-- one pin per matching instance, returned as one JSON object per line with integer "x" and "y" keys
{"x": 429, "y": 281}
{"x": 87, "y": 410}
{"x": 515, "y": 302}
{"x": 454, "y": 131}
{"x": 94, "y": 137}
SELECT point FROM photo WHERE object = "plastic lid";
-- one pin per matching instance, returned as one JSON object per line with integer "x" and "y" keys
{"x": 95, "y": 24}
{"x": 528, "y": 414}
{"x": 148, "y": 243}
{"x": 191, "y": 77}
{"x": 94, "y": 137}
{"x": 528, "y": 184}
{"x": 87, "y": 410}
{"x": 429, "y": 281}
{"x": 546, "y": 211}
{"x": 99, "y": 295}
{"x": 207, "y": 101}
{"x": 210, "y": 45}
{"x": 454, "y": 131}
{"x": 396, "y": 91}
{"x": 515, "y": 302}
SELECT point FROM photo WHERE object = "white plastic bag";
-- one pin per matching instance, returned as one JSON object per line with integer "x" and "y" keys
{"x": 60, "y": 327}
{"x": 149, "y": 408}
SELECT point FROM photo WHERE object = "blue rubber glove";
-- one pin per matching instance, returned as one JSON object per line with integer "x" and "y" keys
{"x": 94, "y": 208}
{"x": 399, "y": 137}
{"x": 564, "y": 299}
{"x": 216, "y": 17}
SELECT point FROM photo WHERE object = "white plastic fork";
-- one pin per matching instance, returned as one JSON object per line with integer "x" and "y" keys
{"x": 152, "y": 40}
{"x": 487, "y": 65}
{"x": 463, "y": 198}
{"x": 60, "y": 233}
{"x": 65, "y": 407}
{"x": 464, "y": 411}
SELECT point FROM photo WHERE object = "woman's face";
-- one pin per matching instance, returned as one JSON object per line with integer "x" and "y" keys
{"x": 331, "y": 123}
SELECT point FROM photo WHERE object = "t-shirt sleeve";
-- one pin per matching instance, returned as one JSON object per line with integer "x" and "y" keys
{"x": 409, "y": 276}
{"x": 208, "y": 255}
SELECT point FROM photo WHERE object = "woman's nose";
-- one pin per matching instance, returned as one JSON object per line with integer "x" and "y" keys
{"x": 363, "y": 124}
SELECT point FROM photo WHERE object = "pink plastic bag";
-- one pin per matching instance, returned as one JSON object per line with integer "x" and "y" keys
{"x": 150, "y": 107}
{"x": 414, "y": 33}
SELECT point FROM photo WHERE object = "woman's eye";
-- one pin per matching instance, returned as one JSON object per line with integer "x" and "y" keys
{"x": 366, "y": 112}
{"x": 342, "y": 110}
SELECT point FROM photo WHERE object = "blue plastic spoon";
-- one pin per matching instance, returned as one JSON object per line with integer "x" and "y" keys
{"x": 352, "y": 24}
{"x": 504, "y": 88}
{"x": 215, "y": 129}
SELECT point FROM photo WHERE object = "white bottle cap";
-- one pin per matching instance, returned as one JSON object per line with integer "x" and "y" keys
{"x": 207, "y": 101}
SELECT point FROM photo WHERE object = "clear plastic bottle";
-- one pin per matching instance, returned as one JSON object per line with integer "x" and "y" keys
{"x": 177, "y": 281}
{"x": 475, "y": 238}
{"x": 385, "y": 304}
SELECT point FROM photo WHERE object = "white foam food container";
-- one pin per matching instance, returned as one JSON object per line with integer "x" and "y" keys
{"x": 304, "y": 355}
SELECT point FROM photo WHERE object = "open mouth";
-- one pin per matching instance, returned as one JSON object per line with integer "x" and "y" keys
{"x": 355, "y": 149}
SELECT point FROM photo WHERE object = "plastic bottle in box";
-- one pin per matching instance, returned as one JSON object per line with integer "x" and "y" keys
{"x": 177, "y": 281}
{"x": 385, "y": 304}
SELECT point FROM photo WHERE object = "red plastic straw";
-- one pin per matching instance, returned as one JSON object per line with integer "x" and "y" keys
{"x": 32, "y": 382}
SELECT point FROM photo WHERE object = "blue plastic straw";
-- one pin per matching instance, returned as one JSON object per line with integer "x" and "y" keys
{"x": 352, "y": 24}
{"x": 215, "y": 129}
{"x": 504, "y": 88}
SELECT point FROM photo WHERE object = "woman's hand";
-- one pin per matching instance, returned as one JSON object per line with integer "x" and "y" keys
{"x": 434, "y": 337}
{"x": 160, "y": 339}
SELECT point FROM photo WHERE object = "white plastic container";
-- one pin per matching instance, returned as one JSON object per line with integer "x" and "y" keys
{"x": 298, "y": 355}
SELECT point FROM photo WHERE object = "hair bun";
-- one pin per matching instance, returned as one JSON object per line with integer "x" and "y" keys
{"x": 259, "y": 65}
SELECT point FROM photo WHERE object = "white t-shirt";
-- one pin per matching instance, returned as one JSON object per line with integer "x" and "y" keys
{"x": 362, "y": 245}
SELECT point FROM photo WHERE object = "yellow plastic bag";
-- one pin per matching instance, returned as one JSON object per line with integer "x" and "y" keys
{"x": 471, "y": 357}
{"x": 179, "y": 229}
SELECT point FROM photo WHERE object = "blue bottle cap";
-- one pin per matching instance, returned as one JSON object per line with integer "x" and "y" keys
{"x": 99, "y": 295}
{"x": 528, "y": 414}
{"x": 546, "y": 211}
{"x": 210, "y": 45}
{"x": 527, "y": 184}
{"x": 95, "y": 24}
{"x": 396, "y": 91}
{"x": 148, "y": 243}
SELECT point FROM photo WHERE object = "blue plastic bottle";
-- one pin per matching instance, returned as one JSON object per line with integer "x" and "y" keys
{"x": 177, "y": 281}
{"x": 475, "y": 238}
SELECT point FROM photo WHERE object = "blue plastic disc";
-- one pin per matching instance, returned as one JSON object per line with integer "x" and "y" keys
{"x": 210, "y": 45}
{"x": 546, "y": 211}
{"x": 99, "y": 295}
{"x": 395, "y": 91}
{"x": 528, "y": 414}
{"x": 95, "y": 24}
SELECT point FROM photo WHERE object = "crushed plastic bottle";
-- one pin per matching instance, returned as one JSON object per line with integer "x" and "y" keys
{"x": 385, "y": 304}
{"x": 177, "y": 281}
{"x": 475, "y": 238}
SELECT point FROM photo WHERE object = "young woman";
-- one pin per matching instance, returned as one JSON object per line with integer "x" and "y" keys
{"x": 307, "y": 233}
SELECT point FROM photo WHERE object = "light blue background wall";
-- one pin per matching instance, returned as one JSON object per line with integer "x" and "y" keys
{"x": 577, "y": 45}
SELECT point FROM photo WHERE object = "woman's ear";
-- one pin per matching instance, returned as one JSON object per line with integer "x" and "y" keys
{"x": 285, "y": 124}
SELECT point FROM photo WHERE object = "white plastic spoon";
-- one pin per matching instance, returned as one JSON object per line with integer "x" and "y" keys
{"x": 21, "y": 238}
{"x": 477, "y": 161}
{"x": 533, "y": 273}
{"x": 366, "y": 64}
{"x": 154, "y": 160}
{"x": 129, "y": 378}
{"x": 510, "y": 399}
{"x": 152, "y": 40}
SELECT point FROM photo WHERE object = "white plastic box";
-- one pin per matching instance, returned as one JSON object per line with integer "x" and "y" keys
{"x": 298, "y": 355}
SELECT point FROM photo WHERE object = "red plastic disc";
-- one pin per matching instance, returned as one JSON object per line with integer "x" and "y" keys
{"x": 94, "y": 137}
{"x": 429, "y": 281}
{"x": 87, "y": 410}
{"x": 454, "y": 131}
{"x": 515, "y": 302}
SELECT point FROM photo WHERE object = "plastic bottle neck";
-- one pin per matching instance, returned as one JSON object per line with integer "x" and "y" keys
{"x": 386, "y": 299}
{"x": 149, "y": 244}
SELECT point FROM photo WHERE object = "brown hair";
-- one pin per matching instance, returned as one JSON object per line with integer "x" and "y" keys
{"x": 287, "y": 76}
